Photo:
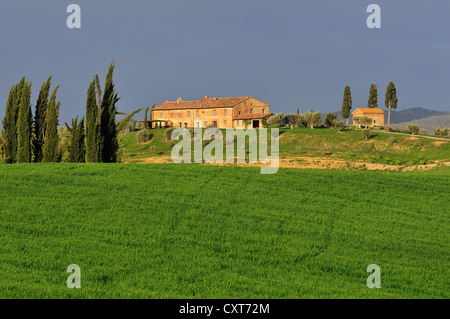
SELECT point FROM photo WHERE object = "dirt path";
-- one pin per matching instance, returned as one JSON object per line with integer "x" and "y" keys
{"x": 308, "y": 163}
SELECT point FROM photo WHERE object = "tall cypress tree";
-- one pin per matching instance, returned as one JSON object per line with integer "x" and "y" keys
{"x": 9, "y": 132}
{"x": 77, "y": 148}
{"x": 109, "y": 143}
{"x": 373, "y": 96}
{"x": 39, "y": 121}
{"x": 24, "y": 126}
{"x": 51, "y": 139}
{"x": 92, "y": 126}
{"x": 346, "y": 103}
{"x": 390, "y": 99}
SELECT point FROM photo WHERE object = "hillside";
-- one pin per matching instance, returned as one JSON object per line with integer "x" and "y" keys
{"x": 427, "y": 123}
{"x": 297, "y": 146}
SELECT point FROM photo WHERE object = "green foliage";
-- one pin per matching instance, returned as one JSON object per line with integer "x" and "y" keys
{"x": 276, "y": 119}
{"x": 24, "y": 126}
{"x": 9, "y": 132}
{"x": 39, "y": 121}
{"x": 338, "y": 124}
{"x": 366, "y": 133}
{"x": 330, "y": 118}
{"x": 312, "y": 119}
{"x": 293, "y": 119}
{"x": 93, "y": 138}
{"x": 51, "y": 138}
{"x": 373, "y": 96}
{"x": 391, "y": 140}
{"x": 390, "y": 99}
{"x": 208, "y": 244}
{"x": 442, "y": 133}
{"x": 143, "y": 136}
{"x": 413, "y": 129}
{"x": 363, "y": 120}
{"x": 346, "y": 103}
{"x": 77, "y": 145}
{"x": 109, "y": 144}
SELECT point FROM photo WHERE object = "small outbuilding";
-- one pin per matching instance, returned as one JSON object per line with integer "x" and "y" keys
{"x": 375, "y": 114}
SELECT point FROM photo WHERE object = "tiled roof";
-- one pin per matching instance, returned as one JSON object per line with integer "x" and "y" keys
{"x": 369, "y": 111}
{"x": 205, "y": 103}
{"x": 249, "y": 116}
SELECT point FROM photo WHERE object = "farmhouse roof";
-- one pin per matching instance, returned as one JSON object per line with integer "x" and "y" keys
{"x": 205, "y": 103}
{"x": 369, "y": 111}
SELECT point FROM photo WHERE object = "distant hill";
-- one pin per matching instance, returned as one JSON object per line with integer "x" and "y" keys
{"x": 428, "y": 123}
{"x": 412, "y": 115}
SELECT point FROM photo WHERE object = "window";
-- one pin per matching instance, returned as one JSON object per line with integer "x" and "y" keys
{"x": 197, "y": 113}
{"x": 189, "y": 113}
{"x": 215, "y": 123}
{"x": 206, "y": 124}
{"x": 214, "y": 112}
{"x": 224, "y": 112}
{"x": 264, "y": 111}
{"x": 239, "y": 112}
{"x": 171, "y": 115}
{"x": 225, "y": 122}
{"x": 179, "y": 115}
{"x": 161, "y": 116}
{"x": 251, "y": 111}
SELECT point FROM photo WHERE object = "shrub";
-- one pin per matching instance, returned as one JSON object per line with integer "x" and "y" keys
{"x": 366, "y": 133}
{"x": 391, "y": 140}
{"x": 276, "y": 119}
{"x": 143, "y": 136}
{"x": 168, "y": 133}
{"x": 330, "y": 119}
{"x": 442, "y": 133}
{"x": 292, "y": 119}
{"x": 413, "y": 129}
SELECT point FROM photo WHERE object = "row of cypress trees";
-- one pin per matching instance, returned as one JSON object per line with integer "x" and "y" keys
{"x": 390, "y": 100}
{"x": 25, "y": 139}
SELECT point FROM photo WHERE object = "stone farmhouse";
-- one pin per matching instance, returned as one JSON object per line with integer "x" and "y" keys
{"x": 220, "y": 112}
{"x": 375, "y": 114}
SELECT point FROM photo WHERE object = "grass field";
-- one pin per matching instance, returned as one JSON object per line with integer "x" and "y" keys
{"x": 194, "y": 231}
{"x": 383, "y": 147}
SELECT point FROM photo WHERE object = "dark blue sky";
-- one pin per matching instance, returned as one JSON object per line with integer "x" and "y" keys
{"x": 287, "y": 53}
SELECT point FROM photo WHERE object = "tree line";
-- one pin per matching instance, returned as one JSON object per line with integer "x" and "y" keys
{"x": 94, "y": 138}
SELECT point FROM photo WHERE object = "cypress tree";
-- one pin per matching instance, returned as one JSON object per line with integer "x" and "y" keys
{"x": 9, "y": 132}
{"x": 51, "y": 139}
{"x": 346, "y": 103}
{"x": 77, "y": 148}
{"x": 24, "y": 126}
{"x": 39, "y": 121}
{"x": 373, "y": 96}
{"x": 92, "y": 126}
{"x": 390, "y": 99}
{"x": 109, "y": 145}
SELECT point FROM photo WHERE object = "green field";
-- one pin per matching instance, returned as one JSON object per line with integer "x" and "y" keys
{"x": 195, "y": 231}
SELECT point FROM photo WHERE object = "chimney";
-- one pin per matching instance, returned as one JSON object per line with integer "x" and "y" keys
{"x": 179, "y": 100}
{"x": 214, "y": 98}
{"x": 206, "y": 96}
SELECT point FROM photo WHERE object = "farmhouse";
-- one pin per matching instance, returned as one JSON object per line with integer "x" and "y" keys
{"x": 220, "y": 112}
{"x": 375, "y": 114}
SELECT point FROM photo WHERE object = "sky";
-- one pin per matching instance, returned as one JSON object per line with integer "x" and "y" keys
{"x": 289, "y": 54}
